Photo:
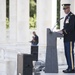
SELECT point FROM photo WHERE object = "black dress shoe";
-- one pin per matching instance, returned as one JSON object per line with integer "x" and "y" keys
{"x": 69, "y": 71}
{"x": 65, "y": 70}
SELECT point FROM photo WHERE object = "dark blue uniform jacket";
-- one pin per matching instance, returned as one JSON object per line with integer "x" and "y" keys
{"x": 69, "y": 28}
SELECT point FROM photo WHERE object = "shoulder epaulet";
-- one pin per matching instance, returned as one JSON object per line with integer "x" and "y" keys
{"x": 71, "y": 14}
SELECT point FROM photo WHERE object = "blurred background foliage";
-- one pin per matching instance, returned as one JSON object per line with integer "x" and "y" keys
{"x": 7, "y": 14}
{"x": 32, "y": 20}
{"x": 58, "y": 13}
{"x": 7, "y": 23}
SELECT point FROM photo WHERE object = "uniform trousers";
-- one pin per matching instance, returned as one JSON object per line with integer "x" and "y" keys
{"x": 69, "y": 54}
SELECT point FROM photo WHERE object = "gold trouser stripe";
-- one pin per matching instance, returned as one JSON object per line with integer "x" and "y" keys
{"x": 71, "y": 55}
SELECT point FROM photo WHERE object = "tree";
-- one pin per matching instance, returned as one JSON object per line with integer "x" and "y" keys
{"x": 7, "y": 14}
{"x": 7, "y": 23}
{"x": 58, "y": 13}
{"x": 32, "y": 21}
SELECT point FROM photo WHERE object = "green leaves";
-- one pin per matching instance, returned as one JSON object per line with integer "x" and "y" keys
{"x": 7, "y": 23}
{"x": 58, "y": 13}
{"x": 32, "y": 20}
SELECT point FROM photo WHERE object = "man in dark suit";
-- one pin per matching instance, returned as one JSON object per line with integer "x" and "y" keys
{"x": 35, "y": 39}
{"x": 69, "y": 38}
{"x": 34, "y": 46}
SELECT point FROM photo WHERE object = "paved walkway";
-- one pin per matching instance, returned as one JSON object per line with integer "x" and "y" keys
{"x": 10, "y": 52}
{"x": 61, "y": 68}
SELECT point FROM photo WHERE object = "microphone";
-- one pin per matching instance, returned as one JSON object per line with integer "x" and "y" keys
{"x": 60, "y": 19}
{"x": 57, "y": 22}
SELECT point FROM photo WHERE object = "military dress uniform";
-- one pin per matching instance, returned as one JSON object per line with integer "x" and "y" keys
{"x": 69, "y": 38}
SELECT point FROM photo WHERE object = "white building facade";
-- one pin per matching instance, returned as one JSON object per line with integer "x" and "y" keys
{"x": 18, "y": 36}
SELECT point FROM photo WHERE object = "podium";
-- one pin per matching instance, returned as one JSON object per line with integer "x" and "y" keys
{"x": 24, "y": 64}
{"x": 51, "y": 65}
{"x": 34, "y": 52}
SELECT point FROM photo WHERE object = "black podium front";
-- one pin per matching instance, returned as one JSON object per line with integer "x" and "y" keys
{"x": 24, "y": 64}
{"x": 34, "y": 52}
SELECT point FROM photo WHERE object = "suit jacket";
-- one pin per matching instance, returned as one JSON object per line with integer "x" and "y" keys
{"x": 36, "y": 39}
{"x": 69, "y": 28}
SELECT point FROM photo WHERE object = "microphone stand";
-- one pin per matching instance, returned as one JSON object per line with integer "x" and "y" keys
{"x": 56, "y": 24}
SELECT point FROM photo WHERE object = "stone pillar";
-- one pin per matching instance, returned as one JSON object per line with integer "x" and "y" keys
{"x": 46, "y": 18}
{"x": 2, "y": 21}
{"x": 72, "y": 6}
{"x": 41, "y": 12}
{"x": 13, "y": 21}
{"x": 23, "y": 21}
{"x": 54, "y": 14}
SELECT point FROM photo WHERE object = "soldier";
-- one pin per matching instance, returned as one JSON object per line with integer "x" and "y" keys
{"x": 69, "y": 38}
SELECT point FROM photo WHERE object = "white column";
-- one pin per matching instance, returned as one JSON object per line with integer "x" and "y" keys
{"x": 72, "y": 6}
{"x": 2, "y": 21}
{"x": 46, "y": 18}
{"x": 13, "y": 20}
{"x": 54, "y": 13}
{"x": 23, "y": 21}
{"x": 62, "y": 14}
{"x": 41, "y": 21}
